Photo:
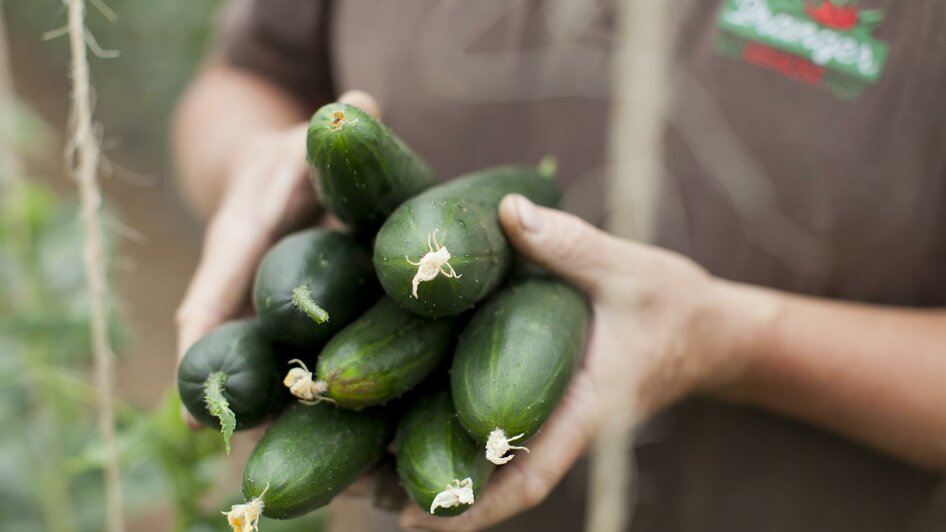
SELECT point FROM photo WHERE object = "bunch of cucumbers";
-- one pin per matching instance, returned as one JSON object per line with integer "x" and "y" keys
{"x": 429, "y": 349}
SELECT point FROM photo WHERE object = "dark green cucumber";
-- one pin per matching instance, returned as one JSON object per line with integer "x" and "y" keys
{"x": 437, "y": 458}
{"x": 364, "y": 171}
{"x": 309, "y": 455}
{"x": 311, "y": 284}
{"x": 453, "y": 231}
{"x": 514, "y": 362}
{"x": 383, "y": 354}
{"x": 229, "y": 379}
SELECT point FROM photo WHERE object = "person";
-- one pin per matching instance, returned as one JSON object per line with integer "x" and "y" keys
{"x": 785, "y": 334}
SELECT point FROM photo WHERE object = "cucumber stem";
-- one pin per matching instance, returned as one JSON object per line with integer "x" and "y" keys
{"x": 497, "y": 445}
{"x": 456, "y": 493}
{"x": 435, "y": 262}
{"x": 245, "y": 517}
{"x": 547, "y": 167}
{"x": 302, "y": 299}
{"x": 218, "y": 405}
{"x": 339, "y": 119}
{"x": 302, "y": 384}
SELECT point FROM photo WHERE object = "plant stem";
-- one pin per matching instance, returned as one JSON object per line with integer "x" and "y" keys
{"x": 302, "y": 299}
{"x": 54, "y": 483}
{"x": 547, "y": 167}
{"x": 85, "y": 170}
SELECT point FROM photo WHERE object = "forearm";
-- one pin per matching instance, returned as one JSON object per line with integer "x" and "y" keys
{"x": 875, "y": 374}
{"x": 220, "y": 113}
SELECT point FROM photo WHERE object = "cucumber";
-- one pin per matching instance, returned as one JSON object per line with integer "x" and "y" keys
{"x": 364, "y": 171}
{"x": 514, "y": 362}
{"x": 443, "y": 251}
{"x": 381, "y": 355}
{"x": 229, "y": 379}
{"x": 309, "y": 455}
{"x": 311, "y": 284}
{"x": 441, "y": 468}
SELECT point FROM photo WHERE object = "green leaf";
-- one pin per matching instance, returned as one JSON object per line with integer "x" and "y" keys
{"x": 218, "y": 405}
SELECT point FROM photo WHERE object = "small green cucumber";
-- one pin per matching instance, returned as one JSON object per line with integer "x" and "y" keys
{"x": 363, "y": 170}
{"x": 311, "y": 284}
{"x": 309, "y": 455}
{"x": 441, "y": 468}
{"x": 443, "y": 251}
{"x": 229, "y": 379}
{"x": 515, "y": 360}
{"x": 381, "y": 355}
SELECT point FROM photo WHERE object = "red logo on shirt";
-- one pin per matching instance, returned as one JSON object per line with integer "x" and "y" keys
{"x": 790, "y": 65}
{"x": 830, "y": 15}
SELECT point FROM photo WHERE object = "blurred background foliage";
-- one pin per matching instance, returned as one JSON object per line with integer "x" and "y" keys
{"x": 50, "y": 457}
{"x": 160, "y": 43}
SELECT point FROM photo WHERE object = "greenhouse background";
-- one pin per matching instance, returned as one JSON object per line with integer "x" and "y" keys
{"x": 50, "y": 452}
{"x": 746, "y": 221}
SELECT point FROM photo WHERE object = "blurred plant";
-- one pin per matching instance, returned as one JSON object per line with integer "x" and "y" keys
{"x": 160, "y": 44}
{"x": 50, "y": 453}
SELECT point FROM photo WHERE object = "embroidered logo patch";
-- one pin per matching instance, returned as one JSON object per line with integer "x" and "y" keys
{"x": 827, "y": 43}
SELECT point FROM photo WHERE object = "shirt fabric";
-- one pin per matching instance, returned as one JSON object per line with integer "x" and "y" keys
{"x": 817, "y": 174}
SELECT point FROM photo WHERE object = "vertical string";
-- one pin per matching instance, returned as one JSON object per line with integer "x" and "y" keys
{"x": 85, "y": 168}
{"x": 639, "y": 68}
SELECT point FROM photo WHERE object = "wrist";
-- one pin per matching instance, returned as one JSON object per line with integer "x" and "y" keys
{"x": 746, "y": 316}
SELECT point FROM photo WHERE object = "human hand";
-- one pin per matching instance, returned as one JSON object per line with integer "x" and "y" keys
{"x": 267, "y": 195}
{"x": 662, "y": 328}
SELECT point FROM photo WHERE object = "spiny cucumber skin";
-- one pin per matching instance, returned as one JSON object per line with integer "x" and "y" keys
{"x": 383, "y": 354}
{"x": 433, "y": 450}
{"x": 464, "y": 214}
{"x": 337, "y": 271}
{"x": 364, "y": 171}
{"x": 241, "y": 350}
{"x": 312, "y": 453}
{"x": 516, "y": 357}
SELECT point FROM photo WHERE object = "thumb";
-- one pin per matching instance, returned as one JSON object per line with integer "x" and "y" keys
{"x": 363, "y": 101}
{"x": 560, "y": 242}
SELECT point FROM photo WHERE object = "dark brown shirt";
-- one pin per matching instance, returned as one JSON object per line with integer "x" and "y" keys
{"x": 805, "y": 150}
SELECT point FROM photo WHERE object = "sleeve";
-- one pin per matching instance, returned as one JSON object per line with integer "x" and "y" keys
{"x": 286, "y": 41}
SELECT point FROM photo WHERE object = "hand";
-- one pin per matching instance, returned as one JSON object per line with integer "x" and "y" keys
{"x": 268, "y": 195}
{"x": 662, "y": 328}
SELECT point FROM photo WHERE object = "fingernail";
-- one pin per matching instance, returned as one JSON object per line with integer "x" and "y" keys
{"x": 529, "y": 216}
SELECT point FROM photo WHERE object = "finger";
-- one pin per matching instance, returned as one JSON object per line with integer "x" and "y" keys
{"x": 330, "y": 221}
{"x": 363, "y": 101}
{"x": 276, "y": 191}
{"x": 232, "y": 248}
{"x": 219, "y": 287}
{"x": 190, "y": 420}
{"x": 528, "y": 479}
{"x": 267, "y": 197}
{"x": 563, "y": 243}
